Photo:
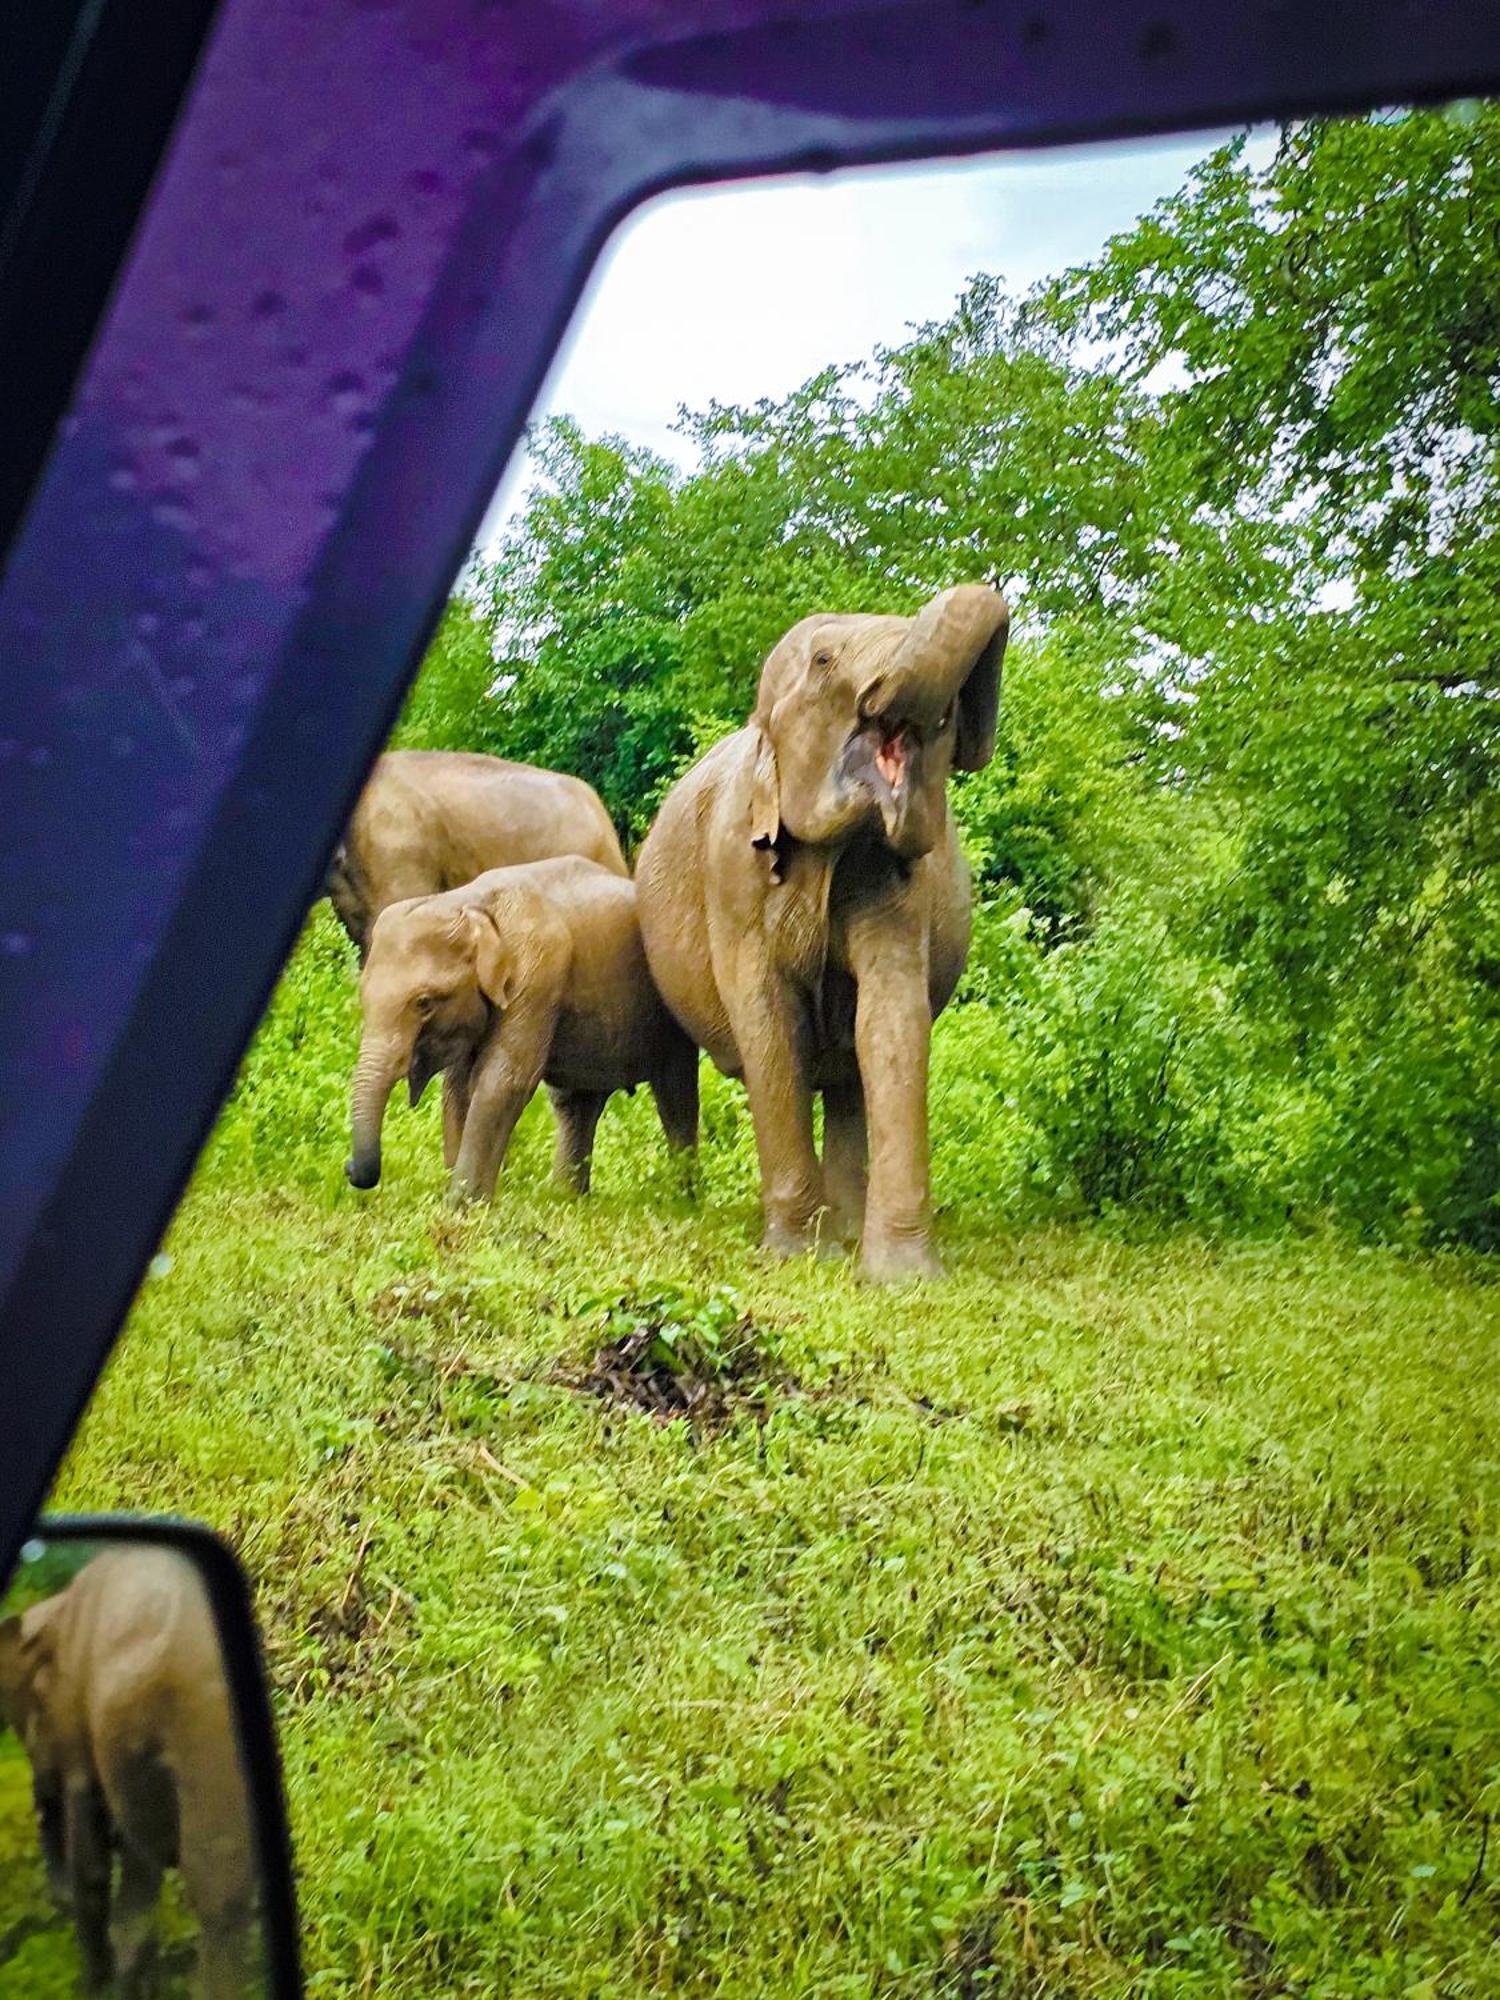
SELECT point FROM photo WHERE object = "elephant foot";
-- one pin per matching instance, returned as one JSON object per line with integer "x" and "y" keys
{"x": 898, "y": 1260}
{"x": 782, "y": 1240}
{"x": 840, "y": 1228}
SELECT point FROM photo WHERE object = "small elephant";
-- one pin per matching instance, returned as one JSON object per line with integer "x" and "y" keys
{"x": 805, "y": 906}
{"x": 116, "y": 1688}
{"x": 430, "y": 820}
{"x": 524, "y": 975}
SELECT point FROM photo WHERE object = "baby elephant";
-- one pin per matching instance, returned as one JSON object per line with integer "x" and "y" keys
{"x": 116, "y": 1688}
{"x": 527, "y": 974}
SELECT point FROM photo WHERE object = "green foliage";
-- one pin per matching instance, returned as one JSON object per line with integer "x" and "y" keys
{"x": 450, "y": 708}
{"x": 287, "y": 1118}
{"x": 709, "y": 1336}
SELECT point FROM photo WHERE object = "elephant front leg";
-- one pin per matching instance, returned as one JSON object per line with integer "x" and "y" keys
{"x": 844, "y": 1148}
{"x": 505, "y": 1078}
{"x": 455, "y": 1111}
{"x": 893, "y": 1038}
{"x": 771, "y": 1039}
{"x": 578, "y": 1113}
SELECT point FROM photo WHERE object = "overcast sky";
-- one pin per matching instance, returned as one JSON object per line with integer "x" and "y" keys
{"x": 745, "y": 291}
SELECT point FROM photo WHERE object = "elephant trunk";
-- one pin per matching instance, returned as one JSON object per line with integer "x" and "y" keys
{"x": 375, "y": 1077}
{"x": 948, "y": 637}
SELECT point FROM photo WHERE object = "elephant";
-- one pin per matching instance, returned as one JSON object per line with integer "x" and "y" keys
{"x": 527, "y": 974}
{"x": 805, "y": 907}
{"x": 430, "y": 820}
{"x": 116, "y": 1688}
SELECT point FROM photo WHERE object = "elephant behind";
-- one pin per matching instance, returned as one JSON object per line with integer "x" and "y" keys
{"x": 805, "y": 907}
{"x": 430, "y": 820}
{"x": 116, "y": 1688}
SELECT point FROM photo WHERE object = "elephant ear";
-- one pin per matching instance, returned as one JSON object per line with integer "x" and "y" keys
{"x": 12, "y": 1675}
{"x": 492, "y": 964}
{"x": 765, "y": 801}
{"x": 979, "y": 703}
{"x": 26, "y": 1651}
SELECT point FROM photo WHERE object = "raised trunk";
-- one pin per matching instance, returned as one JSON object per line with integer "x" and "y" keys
{"x": 375, "y": 1077}
{"x": 948, "y": 639}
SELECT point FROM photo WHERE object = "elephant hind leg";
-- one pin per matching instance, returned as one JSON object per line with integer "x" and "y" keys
{"x": 578, "y": 1113}
{"x": 219, "y": 1885}
{"x": 844, "y": 1151}
{"x": 133, "y": 1926}
{"x": 675, "y": 1089}
{"x": 87, "y": 1837}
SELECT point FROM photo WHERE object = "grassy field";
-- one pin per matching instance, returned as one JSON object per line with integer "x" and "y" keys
{"x": 1120, "y": 1618}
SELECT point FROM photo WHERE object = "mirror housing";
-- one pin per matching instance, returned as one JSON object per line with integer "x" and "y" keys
{"x": 131, "y": 1673}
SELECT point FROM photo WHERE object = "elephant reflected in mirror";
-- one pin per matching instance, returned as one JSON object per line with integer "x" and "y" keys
{"x": 523, "y": 976}
{"x": 805, "y": 906}
{"x": 116, "y": 1687}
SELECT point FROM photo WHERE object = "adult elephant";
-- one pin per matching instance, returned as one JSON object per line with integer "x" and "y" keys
{"x": 805, "y": 906}
{"x": 430, "y": 820}
{"x": 116, "y": 1688}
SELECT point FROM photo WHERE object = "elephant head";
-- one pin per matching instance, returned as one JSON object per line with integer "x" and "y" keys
{"x": 861, "y": 718}
{"x": 436, "y": 974}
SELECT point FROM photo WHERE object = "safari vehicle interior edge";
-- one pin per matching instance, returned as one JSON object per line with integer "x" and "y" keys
{"x": 212, "y": 604}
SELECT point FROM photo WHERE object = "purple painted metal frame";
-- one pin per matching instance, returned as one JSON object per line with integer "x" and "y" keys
{"x": 372, "y": 224}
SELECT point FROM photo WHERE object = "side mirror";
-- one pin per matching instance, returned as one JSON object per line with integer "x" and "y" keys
{"x": 136, "y": 1742}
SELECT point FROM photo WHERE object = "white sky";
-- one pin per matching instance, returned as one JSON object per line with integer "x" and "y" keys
{"x": 739, "y": 292}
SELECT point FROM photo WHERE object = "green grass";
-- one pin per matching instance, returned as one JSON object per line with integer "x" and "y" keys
{"x": 37, "y": 1954}
{"x": 1120, "y": 1618}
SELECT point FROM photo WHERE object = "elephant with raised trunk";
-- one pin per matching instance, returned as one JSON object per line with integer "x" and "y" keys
{"x": 523, "y": 976}
{"x": 430, "y": 820}
{"x": 805, "y": 906}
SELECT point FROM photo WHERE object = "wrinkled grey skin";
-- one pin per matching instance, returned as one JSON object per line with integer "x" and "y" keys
{"x": 116, "y": 1688}
{"x": 525, "y": 975}
{"x": 805, "y": 907}
{"x": 430, "y": 820}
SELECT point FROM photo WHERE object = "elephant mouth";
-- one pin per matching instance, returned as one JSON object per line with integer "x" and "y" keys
{"x": 882, "y": 758}
{"x": 883, "y": 768}
{"x": 436, "y": 1050}
{"x": 893, "y": 752}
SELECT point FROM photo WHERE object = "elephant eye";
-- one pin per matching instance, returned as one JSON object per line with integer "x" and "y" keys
{"x": 425, "y": 1002}
{"x": 823, "y": 657}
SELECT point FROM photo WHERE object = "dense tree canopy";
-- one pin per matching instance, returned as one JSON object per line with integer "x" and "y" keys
{"x": 1239, "y": 950}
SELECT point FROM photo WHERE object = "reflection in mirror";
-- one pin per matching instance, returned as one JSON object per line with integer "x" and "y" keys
{"x": 127, "y": 1848}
